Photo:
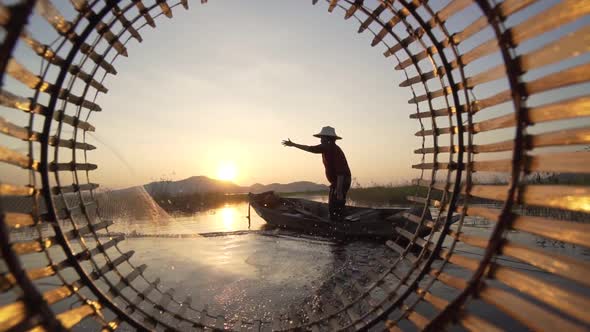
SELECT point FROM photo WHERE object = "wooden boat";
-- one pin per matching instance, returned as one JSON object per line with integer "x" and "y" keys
{"x": 313, "y": 218}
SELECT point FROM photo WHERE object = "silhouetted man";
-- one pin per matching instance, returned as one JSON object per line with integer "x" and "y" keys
{"x": 337, "y": 170}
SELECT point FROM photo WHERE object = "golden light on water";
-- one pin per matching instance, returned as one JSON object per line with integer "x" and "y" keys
{"x": 227, "y": 171}
{"x": 228, "y": 216}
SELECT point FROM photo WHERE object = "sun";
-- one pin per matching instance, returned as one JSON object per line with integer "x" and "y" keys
{"x": 227, "y": 172}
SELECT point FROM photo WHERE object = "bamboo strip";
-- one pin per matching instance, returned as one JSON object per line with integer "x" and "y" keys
{"x": 474, "y": 323}
{"x": 435, "y": 94}
{"x": 562, "y": 299}
{"x": 52, "y": 15}
{"x": 395, "y": 247}
{"x": 84, "y": 9}
{"x": 451, "y": 166}
{"x": 59, "y": 167}
{"x": 575, "y": 198}
{"x": 184, "y": 307}
{"x": 570, "y": 76}
{"x": 422, "y": 200}
{"x": 34, "y": 82}
{"x": 71, "y": 144}
{"x": 572, "y": 45}
{"x": 418, "y": 320}
{"x": 558, "y": 15}
{"x": 17, "y": 220}
{"x": 438, "y": 112}
{"x": 17, "y": 159}
{"x": 103, "y": 247}
{"x": 558, "y": 138}
{"x": 103, "y": 29}
{"x": 352, "y": 9}
{"x": 410, "y": 236}
{"x": 5, "y": 15}
{"x": 72, "y": 121}
{"x": 14, "y": 190}
{"x": 48, "y": 11}
{"x": 127, "y": 24}
{"x": 568, "y": 302}
{"x": 74, "y": 188}
{"x": 10, "y": 129}
{"x": 417, "y": 219}
{"x": 504, "y": 9}
{"x": 11, "y": 100}
{"x": 422, "y": 78}
{"x": 165, "y": 8}
{"x": 415, "y": 58}
{"x": 565, "y": 109}
{"x": 127, "y": 280}
{"x": 143, "y": 295}
{"x": 561, "y": 265}
{"x": 92, "y": 228}
{"x": 29, "y": 247}
{"x": 376, "y": 13}
{"x": 448, "y": 279}
{"x": 146, "y": 15}
{"x": 398, "y": 17}
{"x": 567, "y": 231}
{"x": 434, "y": 300}
{"x": 7, "y": 281}
{"x": 332, "y": 5}
{"x": 12, "y": 314}
{"x": 454, "y": 7}
{"x": 72, "y": 317}
{"x": 528, "y": 313}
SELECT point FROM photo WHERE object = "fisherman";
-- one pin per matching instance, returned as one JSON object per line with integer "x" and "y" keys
{"x": 337, "y": 170}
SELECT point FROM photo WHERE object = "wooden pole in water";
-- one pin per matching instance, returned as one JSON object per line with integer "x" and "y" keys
{"x": 248, "y": 215}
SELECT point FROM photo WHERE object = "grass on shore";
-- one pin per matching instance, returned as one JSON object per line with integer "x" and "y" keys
{"x": 380, "y": 195}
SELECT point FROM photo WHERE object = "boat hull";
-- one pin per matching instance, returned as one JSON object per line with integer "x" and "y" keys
{"x": 311, "y": 218}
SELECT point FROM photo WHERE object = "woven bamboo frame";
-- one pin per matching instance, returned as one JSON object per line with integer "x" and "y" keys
{"x": 112, "y": 291}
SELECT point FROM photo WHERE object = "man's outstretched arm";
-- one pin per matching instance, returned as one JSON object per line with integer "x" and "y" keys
{"x": 312, "y": 149}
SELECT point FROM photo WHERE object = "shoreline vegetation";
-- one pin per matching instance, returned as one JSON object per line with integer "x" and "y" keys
{"x": 372, "y": 196}
{"x": 200, "y": 193}
{"x": 380, "y": 195}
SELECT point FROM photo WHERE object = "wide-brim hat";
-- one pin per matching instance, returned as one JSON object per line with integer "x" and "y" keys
{"x": 328, "y": 132}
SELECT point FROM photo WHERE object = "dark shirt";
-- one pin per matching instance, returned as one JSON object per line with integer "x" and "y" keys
{"x": 334, "y": 160}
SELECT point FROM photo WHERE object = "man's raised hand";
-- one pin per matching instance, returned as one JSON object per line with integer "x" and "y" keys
{"x": 288, "y": 142}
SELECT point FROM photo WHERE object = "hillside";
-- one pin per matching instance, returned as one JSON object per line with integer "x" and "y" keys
{"x": 203, "y": 184}
{"x": 192, "y": 185}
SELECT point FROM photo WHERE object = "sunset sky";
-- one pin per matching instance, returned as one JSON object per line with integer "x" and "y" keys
{"x": 226, "y": 82}
{"x": 215, "y": 90}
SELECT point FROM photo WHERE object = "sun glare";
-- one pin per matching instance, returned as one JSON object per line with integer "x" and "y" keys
{"x": 228, "y": 217}
{"x": 227, "y": 172}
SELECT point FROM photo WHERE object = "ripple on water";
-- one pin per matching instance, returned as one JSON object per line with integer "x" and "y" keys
{"x": 251, "y": 275}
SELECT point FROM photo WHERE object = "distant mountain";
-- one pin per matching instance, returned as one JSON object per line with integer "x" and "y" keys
{"x": 192, "y": 185}
{"x": 203, "y": 184}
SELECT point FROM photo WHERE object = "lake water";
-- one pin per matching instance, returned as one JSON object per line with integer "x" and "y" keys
{"x": 252, "y": 274}
{"x": 238, "y": 269}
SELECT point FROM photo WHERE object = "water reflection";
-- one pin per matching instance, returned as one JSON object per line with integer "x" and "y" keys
{"x": 259, "y": 273}
{"x": 228, "y": 215}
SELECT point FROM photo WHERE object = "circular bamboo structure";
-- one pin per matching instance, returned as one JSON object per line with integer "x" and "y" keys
{"x": 537, "y": 79}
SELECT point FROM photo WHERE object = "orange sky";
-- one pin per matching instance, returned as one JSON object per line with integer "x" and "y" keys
{"x": 225, "y": 83}
{"x": 225, "y": 95}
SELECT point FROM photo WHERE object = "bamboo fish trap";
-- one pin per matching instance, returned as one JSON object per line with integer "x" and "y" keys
{"x": 526, "y": 114}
